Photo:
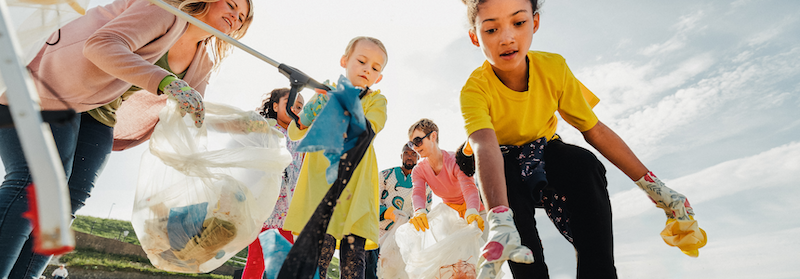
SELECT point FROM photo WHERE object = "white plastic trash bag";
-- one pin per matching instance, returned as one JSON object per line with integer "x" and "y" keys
{"x": 390, "y": 261}
{"x": 199, "y": 201}
{"x": 449, "y": 249}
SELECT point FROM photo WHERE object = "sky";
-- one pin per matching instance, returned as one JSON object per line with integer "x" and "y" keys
{"x": 704, "y": 92}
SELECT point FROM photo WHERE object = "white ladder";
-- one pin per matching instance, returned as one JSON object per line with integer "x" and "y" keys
{"x": 53, "y": 234}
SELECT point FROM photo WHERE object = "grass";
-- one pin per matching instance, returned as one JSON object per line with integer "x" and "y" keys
{"x": 333, "y": 268}
{"x": 114, "y": 229}
{"x": 107, "y": 228}
{"x": 92, "y": 259}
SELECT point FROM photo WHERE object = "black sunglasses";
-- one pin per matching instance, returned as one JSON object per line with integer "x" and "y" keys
{"x": 417, "y": 141}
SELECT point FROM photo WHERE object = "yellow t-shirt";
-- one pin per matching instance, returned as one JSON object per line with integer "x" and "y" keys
{"x": 356, "y": 211}
{"x": 521, "y": 117}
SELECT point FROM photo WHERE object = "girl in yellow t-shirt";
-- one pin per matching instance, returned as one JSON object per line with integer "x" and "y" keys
{"x": 509, "y": 106}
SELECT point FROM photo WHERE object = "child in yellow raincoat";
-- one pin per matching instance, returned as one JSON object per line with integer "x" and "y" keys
{"x": 355, "y": 217}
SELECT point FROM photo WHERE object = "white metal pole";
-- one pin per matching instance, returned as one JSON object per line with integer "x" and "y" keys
{"x": 52, "y": 194}
{"x": 214, "y": 31}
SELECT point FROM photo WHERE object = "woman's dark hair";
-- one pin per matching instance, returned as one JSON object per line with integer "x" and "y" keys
{"x": 266, "y": 109}
{"x": 472, "y": 9}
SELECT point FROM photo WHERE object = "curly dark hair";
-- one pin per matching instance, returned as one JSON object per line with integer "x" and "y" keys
{"x": 266, "y": 109}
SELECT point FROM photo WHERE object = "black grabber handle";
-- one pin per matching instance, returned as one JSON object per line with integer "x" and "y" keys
{"x": 298, "y": 81}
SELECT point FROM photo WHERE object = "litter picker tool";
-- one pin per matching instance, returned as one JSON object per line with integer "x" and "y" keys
{"x": 302, "y": 259}
{"x": 297, "y": 79}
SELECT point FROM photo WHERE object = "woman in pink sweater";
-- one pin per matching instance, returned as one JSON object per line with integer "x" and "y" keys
{"x": 439, "y": 170}
{"x": 91, "y": 62}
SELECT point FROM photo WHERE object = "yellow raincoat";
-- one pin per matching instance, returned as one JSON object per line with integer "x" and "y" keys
{"x": 357, "y": 209}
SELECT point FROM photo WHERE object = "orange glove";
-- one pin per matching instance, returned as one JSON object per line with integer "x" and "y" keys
{"x": 473, "y": 216}
{"x": 461, "y": 208}
{"x": 389, "y": 213}
{"x": 420, "y": 220}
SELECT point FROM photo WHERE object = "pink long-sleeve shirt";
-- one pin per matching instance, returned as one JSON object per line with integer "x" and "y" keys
{"x": 451, "y": 184}
{"x": 99, "y": 55}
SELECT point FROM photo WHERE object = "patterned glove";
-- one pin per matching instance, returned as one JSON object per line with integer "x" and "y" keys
{"x": 257, "y": 126}
{"x": 188, "y": 99}
{"x": 503, "y": 245}
{"x": 420, "y": 220}
{"x": 682, "y": 230}
{"x": 313, "y": 107}
{"x": 473, "y": 216}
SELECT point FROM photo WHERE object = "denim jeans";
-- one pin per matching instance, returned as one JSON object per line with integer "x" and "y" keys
{"x": 371, "y": 270}
{"x": 95, "y": 141}
{"x": 82, "y": 138}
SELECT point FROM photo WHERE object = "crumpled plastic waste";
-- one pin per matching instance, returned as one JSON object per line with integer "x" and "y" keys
{"x": 332, "y": 132}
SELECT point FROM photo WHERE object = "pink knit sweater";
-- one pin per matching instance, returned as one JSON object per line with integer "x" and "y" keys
{"x": 451, "y": 184}
{"x": 138, "y": 115}
{"x": 99, "y": 55}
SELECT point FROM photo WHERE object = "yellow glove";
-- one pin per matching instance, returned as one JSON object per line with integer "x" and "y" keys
{"x": 473, "y": 216}
{"x": 461, "y": 208}
{"x": 389, "y": 213}
{"x": 682, "y": 230}
{"x": 420, "y": 220}
{"x": 686, "y": 235}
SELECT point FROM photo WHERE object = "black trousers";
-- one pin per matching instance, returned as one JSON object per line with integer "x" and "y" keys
{"x": 576, "y": 176}
{"x": 372, "y": 264}
{"x": 351, "y": 256}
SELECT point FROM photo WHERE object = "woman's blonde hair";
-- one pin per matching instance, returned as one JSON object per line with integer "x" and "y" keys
{"x": 220, "y": 48}
{"x": 426, "y": 126}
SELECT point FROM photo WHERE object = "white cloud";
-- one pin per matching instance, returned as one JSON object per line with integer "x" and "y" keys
{"x": 769, "y": 33}
{"x": 686, "y": 25}
{"x": 748, "y": 86}
{"x": 767, "y": 169}
{"x": 676, "y": 42}
{"x": 623, "y": 86}
{"x": 736, "y": 203}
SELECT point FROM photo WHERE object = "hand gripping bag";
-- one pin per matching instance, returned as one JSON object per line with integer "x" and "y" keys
{"x": 449, "y": 249}
{"x": 202, "y": 196}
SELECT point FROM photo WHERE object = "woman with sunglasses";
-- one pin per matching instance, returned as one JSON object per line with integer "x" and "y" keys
{"x": 439, "y": 170}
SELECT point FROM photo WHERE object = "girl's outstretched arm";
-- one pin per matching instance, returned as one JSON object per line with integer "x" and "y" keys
{"x": 681, "y": 230}
{"x": 489, "y": 167}
{"x": 615, "y": 150}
